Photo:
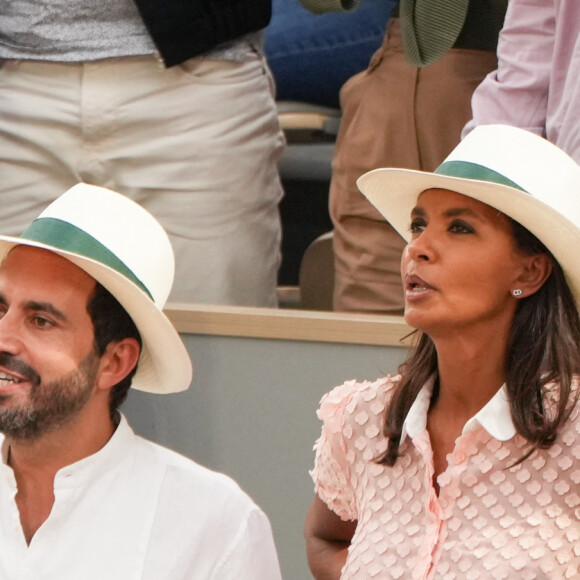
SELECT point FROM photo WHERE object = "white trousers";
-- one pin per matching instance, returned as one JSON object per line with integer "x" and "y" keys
{"x": 197, "y": 145}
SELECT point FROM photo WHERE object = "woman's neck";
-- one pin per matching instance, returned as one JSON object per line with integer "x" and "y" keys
{"x": 471, "y": 369}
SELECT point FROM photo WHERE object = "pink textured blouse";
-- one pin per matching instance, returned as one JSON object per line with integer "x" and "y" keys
{"x": 488, "y": 522}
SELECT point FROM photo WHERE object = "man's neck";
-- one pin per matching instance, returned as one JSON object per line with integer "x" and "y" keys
{"x": 35, "y": 464}
{"x": 64, "y": 445}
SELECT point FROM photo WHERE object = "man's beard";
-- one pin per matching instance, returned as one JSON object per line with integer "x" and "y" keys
{"x": 51, "y": 405}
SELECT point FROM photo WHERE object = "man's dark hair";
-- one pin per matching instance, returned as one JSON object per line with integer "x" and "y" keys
{"x": 543, "y": 347}
{"x": 111, "y": 323}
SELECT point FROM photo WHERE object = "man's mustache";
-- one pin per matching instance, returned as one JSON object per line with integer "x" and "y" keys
{"x": 11, "y": 363}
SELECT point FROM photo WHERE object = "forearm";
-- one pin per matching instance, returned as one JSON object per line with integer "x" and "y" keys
{"x": 326, "y": 558}
{"x": 327, "y": 538}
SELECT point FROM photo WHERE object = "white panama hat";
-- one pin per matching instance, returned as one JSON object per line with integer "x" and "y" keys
{"x": 515, "y": 171}
{"x": 125, "y": 249}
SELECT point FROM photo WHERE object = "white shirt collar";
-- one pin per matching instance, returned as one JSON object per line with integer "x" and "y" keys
{"x": 494, "y": 417}
{"x": 89, "y": 468}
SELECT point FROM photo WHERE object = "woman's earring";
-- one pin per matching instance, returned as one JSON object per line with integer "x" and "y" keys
{"x": 517, "y": 292}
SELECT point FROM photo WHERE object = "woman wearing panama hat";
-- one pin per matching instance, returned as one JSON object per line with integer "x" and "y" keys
{"x": 467, "y": 463}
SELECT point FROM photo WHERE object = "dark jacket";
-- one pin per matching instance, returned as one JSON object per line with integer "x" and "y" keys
{"x": 182, "y": 29}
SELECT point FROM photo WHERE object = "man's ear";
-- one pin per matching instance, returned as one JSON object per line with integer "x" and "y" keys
{"x": 536, "y": 270}
{"x": 118, "y": 360}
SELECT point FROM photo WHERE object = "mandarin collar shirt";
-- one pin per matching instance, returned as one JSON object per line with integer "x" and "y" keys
{"x": 490, "y": 520}
{"x": 135, "y": 510}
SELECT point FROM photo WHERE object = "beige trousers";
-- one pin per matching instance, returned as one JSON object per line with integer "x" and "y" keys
{"x": 394, "y": 115}
{"x": 196, "y": 144}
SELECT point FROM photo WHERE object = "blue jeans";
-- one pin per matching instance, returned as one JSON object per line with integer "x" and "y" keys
{"x": 312, "y": 55}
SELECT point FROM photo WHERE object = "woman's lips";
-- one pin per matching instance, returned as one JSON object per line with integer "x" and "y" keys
{"x": 416, "y": 287}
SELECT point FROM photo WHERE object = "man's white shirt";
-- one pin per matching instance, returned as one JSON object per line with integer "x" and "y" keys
{"x": 136, "y": 510}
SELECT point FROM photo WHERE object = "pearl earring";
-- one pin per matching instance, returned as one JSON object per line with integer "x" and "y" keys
{"x": 517, "y": 292}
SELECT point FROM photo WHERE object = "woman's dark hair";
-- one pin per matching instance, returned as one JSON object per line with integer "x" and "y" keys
{"x": 543, "y": 347}
{"x": 111, "y": 323}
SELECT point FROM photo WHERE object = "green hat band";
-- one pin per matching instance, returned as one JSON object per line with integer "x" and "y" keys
{"x": 467, "y": 170}
{"x": 65, "y": 236}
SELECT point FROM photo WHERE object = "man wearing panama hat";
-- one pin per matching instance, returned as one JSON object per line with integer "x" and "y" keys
{"x": 81, "y": 496}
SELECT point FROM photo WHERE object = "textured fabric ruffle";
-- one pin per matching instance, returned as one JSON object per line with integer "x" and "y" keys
{"x": 334, "y": 482}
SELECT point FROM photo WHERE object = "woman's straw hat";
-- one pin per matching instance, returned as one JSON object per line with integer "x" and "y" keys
{"x": 515, "y": 171}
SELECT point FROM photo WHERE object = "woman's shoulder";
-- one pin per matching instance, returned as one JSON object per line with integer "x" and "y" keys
{"x": 354, "y": 398}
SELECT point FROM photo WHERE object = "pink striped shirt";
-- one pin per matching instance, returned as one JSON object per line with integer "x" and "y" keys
{"x": 537, "y": 83}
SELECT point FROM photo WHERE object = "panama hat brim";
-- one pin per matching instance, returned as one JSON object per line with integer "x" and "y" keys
{"x": 394, "y": 192}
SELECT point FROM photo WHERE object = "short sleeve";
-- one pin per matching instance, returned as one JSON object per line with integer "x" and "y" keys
{"x": 331, "y": 473}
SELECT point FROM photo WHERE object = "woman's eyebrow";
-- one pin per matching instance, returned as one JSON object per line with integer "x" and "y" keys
{"x": 448, "y": 213}
{"x": 462, "y": 211}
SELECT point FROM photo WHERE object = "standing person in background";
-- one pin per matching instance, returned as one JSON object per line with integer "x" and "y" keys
{"x": 537, "y": 83}
{"x": 406, "y": 110}
{"x": 169, "y": 103}
{"x": 466, "y": 464}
